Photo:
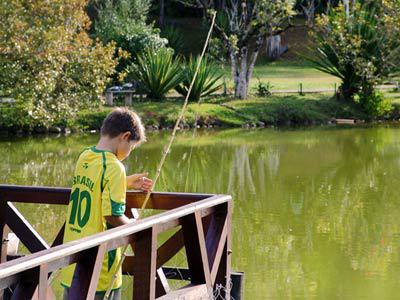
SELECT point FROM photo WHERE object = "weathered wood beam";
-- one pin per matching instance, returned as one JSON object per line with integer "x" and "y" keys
{"x": 196, "y": 251}
{"x": 177, "y": 273}
{"x": 134, "y": 199}
{"x": 59, "y": 238}
{"x": 189, "y": 292}
{"x": 84, "y": 271}
{"x": 223, "y": 275}
{"x": 33, "y": 194}
{"x": 24, "y": 230}
{"x": 26, "y": 285}
{"x": 96, "y": 271}
{"x": 162, "y": 286}
{"x": 43, "y": 275}
{"x": 63, "y": 255}
{"x": 144, "y": 285}
{"x": 165, "y": 201}
{"x": 170, "y": 248}
{"x": 218, "y": 255}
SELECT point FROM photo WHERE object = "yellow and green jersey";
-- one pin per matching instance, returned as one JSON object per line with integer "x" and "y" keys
{"x": 98, "y": 190}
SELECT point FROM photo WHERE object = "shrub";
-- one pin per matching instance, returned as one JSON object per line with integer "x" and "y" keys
{"x": 206, "y": 81}
{"x": 157, "y": 72}
{"x": 374, "y": 104}
{"x": 48, "y": 63}
{"x": 264, "y": 89}
{"x": 174, "y": 37}
{"x": 124, "y": 21}
{"x": 360, "y": 47}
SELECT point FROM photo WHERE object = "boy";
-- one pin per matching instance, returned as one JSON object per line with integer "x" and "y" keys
{"x": 97, "y": 200}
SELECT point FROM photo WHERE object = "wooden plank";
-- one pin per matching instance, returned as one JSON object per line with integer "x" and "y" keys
{"x": 43, "y": 275}
{"x": 170, "y": 248}
{"x": 26, "y": 286}
{"x": 65, "y": 254}
{"x": 4, "y": 230}
{"x": 33, "y": 194}
{"x": 164, "y": 253}
{"x": 24, "y": 231}
{"x": 162, "y": 286}
{"x": 82, "y": 277}
{"x": 164, "y": 200}
{"x": 96, "y": 271}
{"x": 59, "y": 238}
{"x": 144, "y": 284}
{"x": 220, "y": 246}
{"x": 134, "y": 199}
{"x": 224, "y": 269}
{"x": 215, "y": 232}
{"x": 196, "y": 251}
{"x": 177, "y": 273}
{"x": 345, "y": 121}
{"x": 189, "y": 292}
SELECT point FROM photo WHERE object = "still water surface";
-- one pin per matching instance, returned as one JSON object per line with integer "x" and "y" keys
{"x": 317, "y": 211}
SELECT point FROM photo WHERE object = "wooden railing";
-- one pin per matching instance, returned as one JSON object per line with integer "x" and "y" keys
{"x": 202, "y": 221}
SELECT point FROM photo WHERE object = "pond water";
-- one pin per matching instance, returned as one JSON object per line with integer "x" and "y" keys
{"x": 316, "y": 211}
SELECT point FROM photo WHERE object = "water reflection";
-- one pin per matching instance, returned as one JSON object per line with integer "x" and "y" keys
{"x": 316, "y": 211}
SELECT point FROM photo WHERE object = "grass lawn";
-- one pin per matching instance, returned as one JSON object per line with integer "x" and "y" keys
{"x": 287, "y": 75}
{"x": 317, "y": 108}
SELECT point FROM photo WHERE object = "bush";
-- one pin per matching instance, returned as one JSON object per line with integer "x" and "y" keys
{"x": 89, "y": 120}
{"x": 375, "y": 104}
{"x": 156, "y": 72}
{"x": 124, "y": 22}
{"x": 206, "y": 81}
{"x": 48, "y": 63}
{"x": 174, "y": 37}
{"x": 264, "y": 89}
{"x": 361, "y": 49}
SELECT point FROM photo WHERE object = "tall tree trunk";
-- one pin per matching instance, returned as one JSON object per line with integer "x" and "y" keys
{"x": 253, "y": 59}
{"x": 161, "y": 19}
{"x": 241, "y": 86}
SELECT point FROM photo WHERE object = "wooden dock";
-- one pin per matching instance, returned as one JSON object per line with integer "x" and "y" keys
{"x": 203, "y": 227}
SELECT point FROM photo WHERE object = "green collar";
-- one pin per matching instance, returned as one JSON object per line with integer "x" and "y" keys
{"x": 94, "y": 149}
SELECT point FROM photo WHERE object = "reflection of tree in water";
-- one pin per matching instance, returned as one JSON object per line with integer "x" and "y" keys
{"x": 240, "y": 174}
{"x": 316, "y": 212}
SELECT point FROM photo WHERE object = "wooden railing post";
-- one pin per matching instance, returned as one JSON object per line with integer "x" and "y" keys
{"x": 43, "y": 275}
{"x": 205, "y": 233}
{"x": 144, "y": 283}
{"x": 86, "y": 276}
{"x": 223, "y": 273}
{"x": 196, "y": 251}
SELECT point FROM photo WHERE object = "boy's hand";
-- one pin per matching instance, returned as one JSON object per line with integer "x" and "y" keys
{"x": 139, "y": 182}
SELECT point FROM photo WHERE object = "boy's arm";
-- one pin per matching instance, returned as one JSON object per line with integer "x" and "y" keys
{"x": 116, "y": 221}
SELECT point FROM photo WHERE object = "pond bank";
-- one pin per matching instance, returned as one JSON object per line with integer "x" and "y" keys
{"x": 220, "y": 112}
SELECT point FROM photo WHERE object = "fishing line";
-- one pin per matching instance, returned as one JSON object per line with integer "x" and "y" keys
{"x": 166, "y": 149}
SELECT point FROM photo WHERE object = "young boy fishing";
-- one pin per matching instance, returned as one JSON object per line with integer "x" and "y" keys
{"x": 97, "y": 200}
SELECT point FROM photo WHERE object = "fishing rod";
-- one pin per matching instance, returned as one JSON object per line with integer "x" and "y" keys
{"x": 166, "y": 149}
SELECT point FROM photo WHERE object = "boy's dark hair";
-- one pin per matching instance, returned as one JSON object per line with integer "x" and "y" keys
{"x": 121, "y": 120}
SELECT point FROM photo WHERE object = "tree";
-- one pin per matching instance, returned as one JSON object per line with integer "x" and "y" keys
{"x": 359, "y": 43}
{"x": 309, "y": 7}
{"x": 124, "y": 21}
{"x": 48, "y": 63}
{"x": 242, "y": 27}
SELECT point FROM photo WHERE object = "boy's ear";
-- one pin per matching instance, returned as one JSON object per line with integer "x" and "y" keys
{"x": 126, "y": 136}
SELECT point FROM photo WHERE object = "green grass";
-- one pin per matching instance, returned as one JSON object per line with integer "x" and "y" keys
{"x": 287, "y": 75}
{"x": 275, "y": 110}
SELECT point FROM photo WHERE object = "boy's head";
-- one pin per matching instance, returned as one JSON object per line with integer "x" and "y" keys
{"x": 125, "y": 128}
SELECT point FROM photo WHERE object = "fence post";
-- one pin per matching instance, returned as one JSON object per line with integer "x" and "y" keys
{"x": 128, "y": 99}
{"x": 144, "y": 284}
{"x": 109, "y": 98}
